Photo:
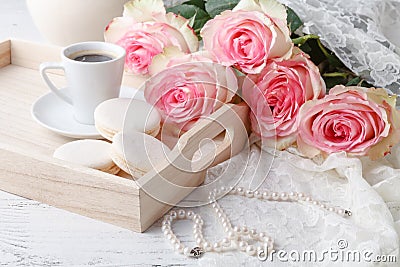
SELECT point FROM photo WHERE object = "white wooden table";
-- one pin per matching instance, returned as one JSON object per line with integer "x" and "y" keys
{"x": 34, "y": 234}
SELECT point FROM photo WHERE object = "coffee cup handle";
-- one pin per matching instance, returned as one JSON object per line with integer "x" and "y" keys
{"x": 43, "y": 72}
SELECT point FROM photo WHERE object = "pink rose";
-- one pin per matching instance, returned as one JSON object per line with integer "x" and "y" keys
{"x": 356, "y": 120}
{"x": 143, "y": 41}
{"x": 189, "y": 88}
{"x": 146, "y": 30}
{"x": 248, "y": 36}
{"x": 276, "y": 95}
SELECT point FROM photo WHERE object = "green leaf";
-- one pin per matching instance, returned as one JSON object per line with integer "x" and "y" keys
{"x": 306, "y": 48}
{"x": 354, "y": 81}
{"x": 216, "y": 7}
{"x": 198, "y": 17}
{"x": 303, "y": 39}
{"x": 333, "y": 60}
{"x": 294, "y": 22}
{"x": 332, "y": 81}
{"x": 238, "y": 72}
{"x": 336, "y": 74}
{"x": 198, "y": 3}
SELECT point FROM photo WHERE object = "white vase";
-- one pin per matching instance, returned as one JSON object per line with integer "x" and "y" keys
{"x": 63, "y": 22}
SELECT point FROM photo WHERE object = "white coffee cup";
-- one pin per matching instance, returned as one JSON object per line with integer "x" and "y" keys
{"x": 88, "y": 83}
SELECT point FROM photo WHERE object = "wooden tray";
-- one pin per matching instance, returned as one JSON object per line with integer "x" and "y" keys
{"x": 28, "y": 169}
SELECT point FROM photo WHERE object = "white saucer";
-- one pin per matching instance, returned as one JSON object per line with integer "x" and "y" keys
{"x": 57, "y": 116}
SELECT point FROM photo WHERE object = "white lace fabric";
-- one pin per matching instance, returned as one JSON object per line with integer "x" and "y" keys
{"x": 360, "y": 185}
{"x": 355, "y": 30}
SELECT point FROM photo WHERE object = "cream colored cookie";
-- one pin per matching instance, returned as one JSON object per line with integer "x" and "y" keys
{"x": 130, "y": 115}
{"x": 94, "y": 154}
{"x": 137, "y": 153}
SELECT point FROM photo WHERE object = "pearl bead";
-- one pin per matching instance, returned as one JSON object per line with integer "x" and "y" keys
{"x": 175, "y": 240}
{"x": 232, "y": 191}
{"x": 197, "y": 226}
{"x": 249, "y": 193}
{"x": 165, "y": 227}
{"x": 236, "y": 229}
{"x": 284, "y": 196}
{"x": 308, "y": 199}
{"x": 221, "y": 215}
{"x": 173, "y": 215}
{"x": 197, "y": 232}
{"x": 198, "y": 236}
{"x": 275, "y": 196}
{"x": 257, "y": 194}
{"x": 167, "y": 232}
{"x": 293, "y": 196}
{"x": 199, "y": 241}
{"x": 228, "y": 228}
{"x": 170, "y": 237}
{"x": 267, "y": 239}
{"x": 179, "y": 247}
{"x": 266, "y": 195}
{"x": 226, "y": 225}
{"x": 243, "y": 245}
{"x": 189, "y": 215}
{"x": 167, "y": 218}
{"x": 207, "y": 246}
{"x": 226, "y": 242}
{"x": 261, "y": 236}
{"x": 250, "y": 250}
{"x": 186, "y": 251}
{"x": 244, "y": 230}
{"x": 323, "y": 206}
{"x": 340, "y": 212}
{"x": 315, "y": 202}
{"x": 331, "y": 209}
{"x": 232, "y": 235}
{"x": 240, "y": 191}
{"x": 217, "y": 247}
{"x": 199, "y": 222}
{"x": 181, "y": 214}
{"x": 253, "y": 233}
{"x": 167, "y": 223}
{"x": 300, "y": 196}
{"x": 196, "y": 216}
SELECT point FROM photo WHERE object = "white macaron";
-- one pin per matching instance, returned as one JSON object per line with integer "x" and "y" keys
{"x": 137, "y": 153}
{"x": 95, "y": 154}
{"x": 131, "y": 115}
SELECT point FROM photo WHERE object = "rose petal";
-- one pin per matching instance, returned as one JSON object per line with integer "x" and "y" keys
{"x": 144, "y": 10}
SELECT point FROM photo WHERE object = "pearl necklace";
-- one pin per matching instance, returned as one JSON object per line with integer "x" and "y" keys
{"x": 237, "y": 236}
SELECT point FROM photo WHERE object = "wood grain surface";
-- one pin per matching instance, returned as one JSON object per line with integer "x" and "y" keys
{"x": 35, "y": 234}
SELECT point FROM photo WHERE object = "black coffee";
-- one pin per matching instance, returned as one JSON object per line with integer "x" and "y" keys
{"x": 93, "y": 58}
